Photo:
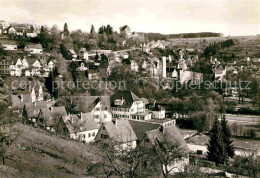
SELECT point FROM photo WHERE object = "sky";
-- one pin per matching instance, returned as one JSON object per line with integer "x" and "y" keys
{"x": 230, "y": 17}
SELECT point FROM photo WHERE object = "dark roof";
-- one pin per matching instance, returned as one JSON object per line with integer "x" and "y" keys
{"x": 128, "y": 96}
{"x": 140, "y": 128}
{"x": 157, "y": 108}
{"x": 33, "y": 110}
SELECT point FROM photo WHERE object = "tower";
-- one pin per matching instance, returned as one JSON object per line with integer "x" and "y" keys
{"x": 164, "y": 66}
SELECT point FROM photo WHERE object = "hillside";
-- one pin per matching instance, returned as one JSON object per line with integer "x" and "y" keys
{"x": 42, "y": 154}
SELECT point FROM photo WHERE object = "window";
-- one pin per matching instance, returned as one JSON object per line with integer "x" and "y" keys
{"x": 89, "y": 135}
{"x": 93, "y": 134}
{"x": 97, "y": 109}
{"x": 105, "y": 116}
{"x": 104, "y": 136}
{"x": 104, "y": 128}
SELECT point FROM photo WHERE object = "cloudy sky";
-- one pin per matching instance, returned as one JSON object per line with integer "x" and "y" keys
{"x": 231, "y": 17}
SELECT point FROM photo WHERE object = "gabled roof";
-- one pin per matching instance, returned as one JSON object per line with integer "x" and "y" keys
{"x": 140, "y": 128}
{"x": 170, "y": 134}
{"x": 33, "y": 110}
{"x": 18, "y": 101}
{"x": 120, "y": 130}
{"x": 60, "y": 110}
{"x": 128, "y": 97}
{"x": 87, "y": 103}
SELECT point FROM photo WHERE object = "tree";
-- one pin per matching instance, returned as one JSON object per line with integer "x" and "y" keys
{"x": 115, "y": 161}
{"x": 66, "y": 29}
{"x": 226, "y": 137}
{"x": 216, "y": 150}
{"x": 166, "y": 154}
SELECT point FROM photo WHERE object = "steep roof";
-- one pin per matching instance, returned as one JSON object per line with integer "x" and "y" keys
{"x": 170, "y": 134}
{"x": 33, "y": 110}
{"x": 120, "y": 130}
{"x": 87, "y": 103}
{"x": 128, "y": 96}
{"x": 140, "y": 128}
{"x": 18, "y": 101}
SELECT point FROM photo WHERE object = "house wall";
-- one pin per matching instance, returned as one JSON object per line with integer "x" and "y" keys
{"x": 159, "y": 114}
{"x": 137, "y": 107}
{"x": 8, "y": 47}
{"x": 101, "y": 114}
{"x": 87, "y": 136}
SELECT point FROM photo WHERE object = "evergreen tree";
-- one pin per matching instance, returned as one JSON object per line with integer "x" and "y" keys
{"x": 216, "y": 150}
{"x": 226, "y": 137}
{"x": 92, "y": 30}
{"x": 66, "y": 29}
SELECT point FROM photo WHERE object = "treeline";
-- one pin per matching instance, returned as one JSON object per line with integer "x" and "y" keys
{"x": 195, "y": 35}
{"x": 212, "y": 49}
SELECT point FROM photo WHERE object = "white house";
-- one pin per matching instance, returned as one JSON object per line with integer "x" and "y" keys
{"x": 33, "y": 48}
{"x": 124, "y": 104}
{"x": 81, "y": 128}
{"x": 8, "y": 45}
{"x": 83, "y": 54}
{"x": 134, "y": 66}
{"x": 124, "y": 55}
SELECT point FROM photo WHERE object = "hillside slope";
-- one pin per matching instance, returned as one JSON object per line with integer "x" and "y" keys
{"x": 37, "y": 153}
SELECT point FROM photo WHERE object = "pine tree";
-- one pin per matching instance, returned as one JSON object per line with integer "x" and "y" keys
{"x": 216, "y": 148}
{"x": 92, "y": 30}
{"x": 226, "y": 137}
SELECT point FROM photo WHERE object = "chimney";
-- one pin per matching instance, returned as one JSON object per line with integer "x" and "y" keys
{"x": 21, "y": 97}
{"x": 81, "y": 116}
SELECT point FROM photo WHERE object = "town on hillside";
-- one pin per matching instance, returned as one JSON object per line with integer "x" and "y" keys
{"x": 113, "y": 102}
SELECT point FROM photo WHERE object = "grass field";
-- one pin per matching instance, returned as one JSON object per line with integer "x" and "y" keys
{"x": 38, "y": 153}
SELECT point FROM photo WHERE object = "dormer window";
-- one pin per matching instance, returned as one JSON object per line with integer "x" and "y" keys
{"x": 119, "y": 102}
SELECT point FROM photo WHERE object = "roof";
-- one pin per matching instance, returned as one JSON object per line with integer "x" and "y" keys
{"x": 87, "y": 103}
{"x": 35, "y": 46}
{"x": 18, "y": 101}
{"x": 33, "y": 110}
{"x": 157, "y": 108}
{"x": 127, "y": 95}
{"x": 170, "y": 134}
{"x": 140, "y": 128}
{"x": 120, "y": 130}
{"x": 76, "y": 124}
{"x": 8, "y": 42}
{"x": 60, "y": 110}
{"x": 144, "y": 100}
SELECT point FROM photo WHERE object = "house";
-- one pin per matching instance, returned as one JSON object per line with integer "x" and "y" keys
{"x": 82, "y": 67}
{"x": 93, "y": 75}
{"x": 125, "y": 30}
{"x": 219, "y": 73}
{"x": 97, "y": 106}
{"x": 8, "y": 45}
{"x": 158, "y": 112}
{"x": 16, "y": 67}
{"x": 18, "y": 101}
{"x": 49, "y": 118}
{"x": 5, "y": 63}
{"x": 33, "y": 48}
{"x": 134, "y": 66}
{"x": 31, "y": 111}
{"x": 31, "y": 33}
{"x": 82, "y": 128}
{"x": 4, "y": 24}
{"x": 124, "y": 55}
{"x": 125, "y": 103}
{"x": 72, "y": 54}
{"x": 149, "y": 132}
{"x": 118, "y": 131}
{"x": 83, "y": 54}
{"x": 35, "y": 66}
